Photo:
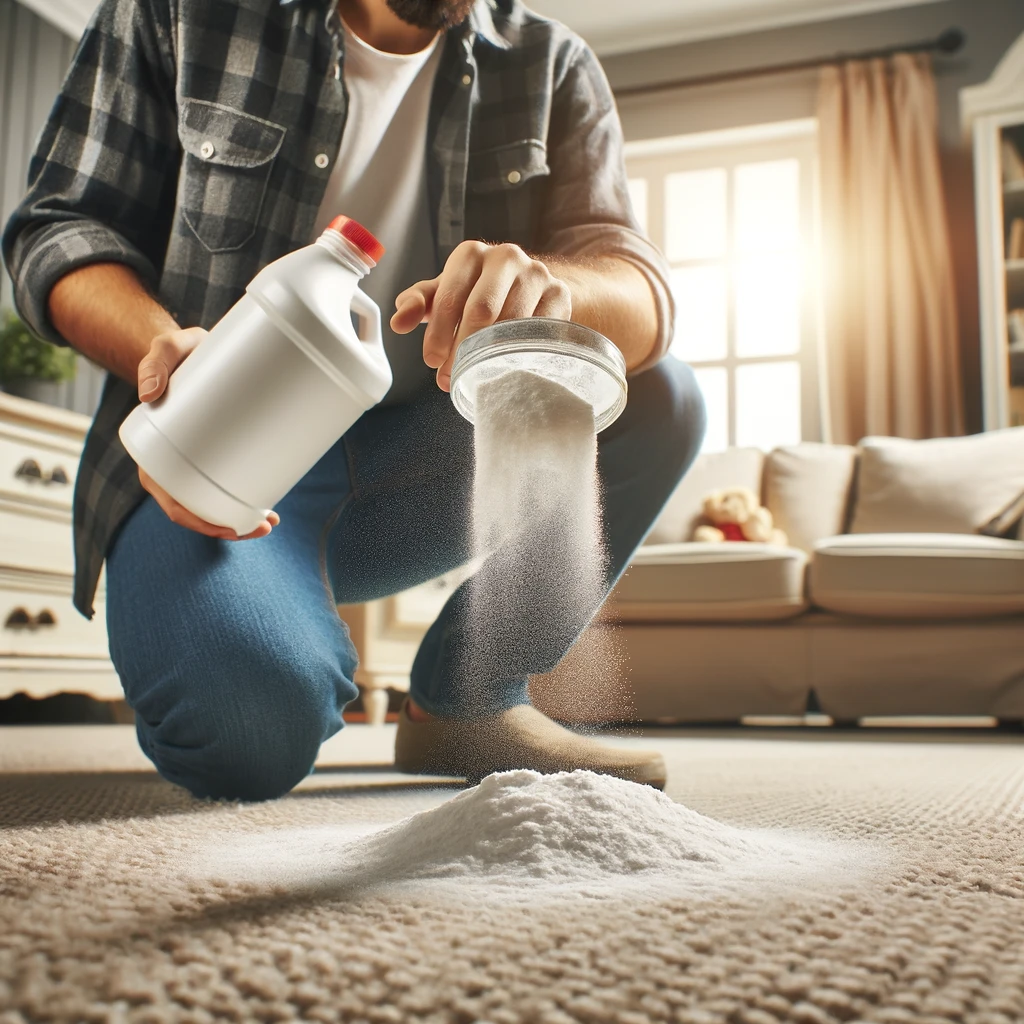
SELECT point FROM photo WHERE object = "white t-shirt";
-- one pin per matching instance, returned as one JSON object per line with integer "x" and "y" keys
{"x": 379, "y": 179}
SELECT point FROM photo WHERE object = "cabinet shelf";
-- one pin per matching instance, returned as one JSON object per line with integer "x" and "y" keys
{"x": 994, "y": 112}
{"x": 1014, "y": 284}
{"x": 1013, "y": 199}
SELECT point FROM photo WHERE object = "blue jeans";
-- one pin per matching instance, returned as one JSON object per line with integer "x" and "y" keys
{"x": 232, "y": 653}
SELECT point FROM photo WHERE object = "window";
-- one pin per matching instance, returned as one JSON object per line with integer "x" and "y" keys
{"x": 734, "y": 212}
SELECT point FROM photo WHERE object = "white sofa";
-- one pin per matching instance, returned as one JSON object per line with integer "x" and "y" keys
{"x": 890, "y": 600}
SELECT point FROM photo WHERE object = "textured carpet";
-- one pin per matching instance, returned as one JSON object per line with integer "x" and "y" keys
{"x": 105, "y": 913}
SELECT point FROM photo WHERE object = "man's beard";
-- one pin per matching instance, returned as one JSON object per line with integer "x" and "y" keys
{"x": 438, "y": 15}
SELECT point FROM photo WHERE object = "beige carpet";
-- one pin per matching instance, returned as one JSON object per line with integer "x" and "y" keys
{"x": 103, "y": 917}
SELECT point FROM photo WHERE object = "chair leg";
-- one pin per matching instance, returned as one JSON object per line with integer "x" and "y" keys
{"x": 375, "y": 703}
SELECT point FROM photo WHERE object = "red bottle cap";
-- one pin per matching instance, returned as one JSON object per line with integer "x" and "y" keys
{"x": 358, "y": 236}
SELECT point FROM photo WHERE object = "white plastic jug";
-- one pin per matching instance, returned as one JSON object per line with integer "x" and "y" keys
{"x": 275, "y": 383}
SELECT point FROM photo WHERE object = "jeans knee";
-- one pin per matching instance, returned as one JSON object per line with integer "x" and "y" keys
{"x": 684, "y": 408}
{"x": 669, "y": 402}
{"x": 252, "y": 741}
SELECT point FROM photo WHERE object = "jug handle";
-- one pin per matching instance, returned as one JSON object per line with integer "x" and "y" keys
{"x": 366, "y": 310}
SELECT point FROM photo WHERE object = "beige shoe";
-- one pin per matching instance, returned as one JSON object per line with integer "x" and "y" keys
{"x": 518, "y": 738}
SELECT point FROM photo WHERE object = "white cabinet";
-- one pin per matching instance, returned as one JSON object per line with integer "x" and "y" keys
{"x": 46, "y": 645}
{"x": 993, "y": 112}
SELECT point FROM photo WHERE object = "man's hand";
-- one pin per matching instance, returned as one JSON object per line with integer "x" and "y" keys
{"x": 480, "y": 285}
{"x": 155, "y": 369}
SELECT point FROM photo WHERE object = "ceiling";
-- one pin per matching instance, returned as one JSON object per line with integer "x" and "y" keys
{"x": 613, "y": 26}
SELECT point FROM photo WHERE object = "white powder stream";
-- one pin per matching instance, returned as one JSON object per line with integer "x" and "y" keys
{"x": 536, "y": 528}
{"x": 536, "y": 476}
{"x": 525, "y": 837}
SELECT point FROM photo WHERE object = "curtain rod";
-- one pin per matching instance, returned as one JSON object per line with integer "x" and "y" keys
{"x": 949, "y": 41}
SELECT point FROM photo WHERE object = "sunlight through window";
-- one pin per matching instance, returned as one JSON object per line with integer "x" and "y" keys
{"x": 768, "y": 306}
{"x": 702, "y": 332}
{"x": 732, "y": 211}
{"x": 767, "y": 206}
{"x": 714, "y": 386}
{"x": 696, "y": 214}
{"x": 767, "y": 404}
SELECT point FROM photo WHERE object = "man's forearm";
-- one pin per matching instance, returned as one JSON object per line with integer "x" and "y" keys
{"x": 105, "y": 313}
{"x": 612, "y": 296}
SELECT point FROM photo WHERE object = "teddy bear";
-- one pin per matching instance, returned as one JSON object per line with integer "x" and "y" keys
{"x": 736, "y": 514}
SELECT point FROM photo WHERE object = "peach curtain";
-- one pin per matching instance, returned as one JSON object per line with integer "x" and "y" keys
{"x": 892, "y": 362}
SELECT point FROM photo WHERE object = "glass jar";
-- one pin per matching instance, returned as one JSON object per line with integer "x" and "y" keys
{"x": 580, "y": 359}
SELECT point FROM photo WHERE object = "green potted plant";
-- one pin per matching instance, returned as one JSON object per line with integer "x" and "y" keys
{"x": 30, "y": 367}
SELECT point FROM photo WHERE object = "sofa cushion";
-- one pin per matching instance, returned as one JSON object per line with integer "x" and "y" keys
{"x": 711, "y": 471}
{"x": 946, "y": 485}
{"x": 711, "y": 583}
{"x": 807, "y": 489}
{"x": 926, "y": 575}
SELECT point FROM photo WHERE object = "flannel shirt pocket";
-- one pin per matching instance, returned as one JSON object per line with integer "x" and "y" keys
{"x": 228, "y": 159}
{"x": 508, "y": 166}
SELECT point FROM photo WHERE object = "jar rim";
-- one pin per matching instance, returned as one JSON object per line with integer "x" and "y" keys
{"x": 527, "y": 332}
{"x": 541, "y": 336}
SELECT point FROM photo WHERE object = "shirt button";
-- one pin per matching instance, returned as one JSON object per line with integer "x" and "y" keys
{"x": 514, "y": 177}
{"x": 466, "y": 79}
{"x": 206, "y": 150}
{"x": 321, "y": 160}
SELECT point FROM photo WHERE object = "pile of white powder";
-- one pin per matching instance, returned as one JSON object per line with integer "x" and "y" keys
{"x": 522, "y": 837}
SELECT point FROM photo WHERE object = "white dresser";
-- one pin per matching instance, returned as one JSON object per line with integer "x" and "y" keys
{"x": 46, "y": 645}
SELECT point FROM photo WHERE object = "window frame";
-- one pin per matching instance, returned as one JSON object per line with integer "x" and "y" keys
{"x": 654, "y": 159}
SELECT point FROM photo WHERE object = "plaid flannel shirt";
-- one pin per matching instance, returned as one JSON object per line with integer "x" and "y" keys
{"x": 189, "y": 140}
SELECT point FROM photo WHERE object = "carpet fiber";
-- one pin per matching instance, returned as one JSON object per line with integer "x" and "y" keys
{"x": 106, "y": 915}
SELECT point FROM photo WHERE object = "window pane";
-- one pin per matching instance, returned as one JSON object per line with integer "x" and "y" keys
{"x": 701, "y": 313}
{"x": 767, "y": 206}
{"x": 695, "y": 214}
{"x": 638, "y": 200}
{"x": 768, "y": 405}
{"x": 714, "y": 385}
{"x": 768, "y": 305}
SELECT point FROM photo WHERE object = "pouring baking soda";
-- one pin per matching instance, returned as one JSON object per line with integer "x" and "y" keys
{"x": 537, "y": 391}
{"x": 273, "y": 385}
{"x": 286, "y": 372}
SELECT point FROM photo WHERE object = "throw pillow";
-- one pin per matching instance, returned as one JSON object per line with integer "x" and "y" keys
{"x": 945, "y": 485}
{"x": 807, "y": 489}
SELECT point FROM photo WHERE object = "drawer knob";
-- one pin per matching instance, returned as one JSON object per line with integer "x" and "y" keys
{"x": 31, "y": 470}
{"x": 21, "y": 618}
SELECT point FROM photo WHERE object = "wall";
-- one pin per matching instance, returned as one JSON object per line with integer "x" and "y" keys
{"x": 990, "y": 27}
{"x": 33, "y": 58}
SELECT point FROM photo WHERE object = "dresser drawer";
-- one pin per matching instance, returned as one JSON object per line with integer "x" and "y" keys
{"x": 37, "y": 468}
{"x": 40, "y": 620}
{"x": 44, "y": 677}
{"x": 37, "y": 540}
{"x": 418, "y": 607}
